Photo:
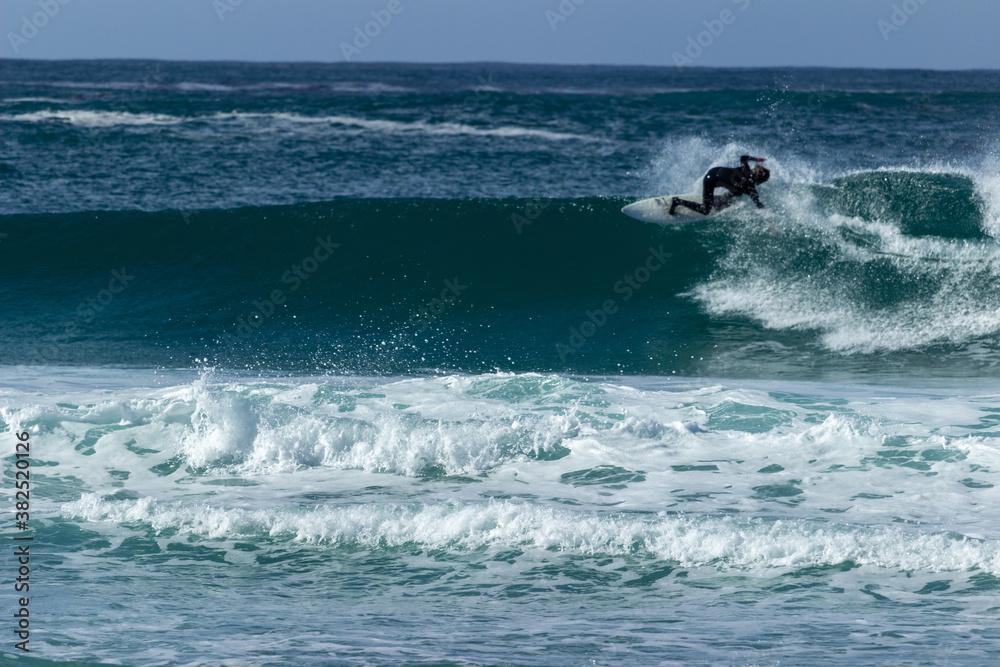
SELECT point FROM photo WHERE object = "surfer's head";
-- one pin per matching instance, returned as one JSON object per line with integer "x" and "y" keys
{"x": 761, "y": 174}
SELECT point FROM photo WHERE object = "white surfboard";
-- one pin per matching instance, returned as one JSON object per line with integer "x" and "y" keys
{"x": 657, "y": 210}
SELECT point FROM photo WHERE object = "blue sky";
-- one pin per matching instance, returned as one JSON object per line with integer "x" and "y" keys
{"x": 934, "y": 34}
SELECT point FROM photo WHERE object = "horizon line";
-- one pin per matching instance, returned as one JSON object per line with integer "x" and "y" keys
{"x": 492, "y": 62}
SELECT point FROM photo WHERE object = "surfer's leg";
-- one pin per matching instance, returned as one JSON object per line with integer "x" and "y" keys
{"x": 724, "y": 201}
{"x": 706, "y": 202}
{"x": 703, "y": 208}
{"x": 707, "y": 197}
{"x": 708, "y": 186}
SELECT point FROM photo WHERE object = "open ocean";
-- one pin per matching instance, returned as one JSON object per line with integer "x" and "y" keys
{"x": 363, "y": 365}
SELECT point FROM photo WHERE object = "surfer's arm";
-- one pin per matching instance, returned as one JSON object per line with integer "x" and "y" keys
{"x": 746, "y": 159}
{"x": 752, "y": 191}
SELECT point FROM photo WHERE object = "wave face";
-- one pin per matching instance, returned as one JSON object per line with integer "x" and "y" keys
{"x": 379, "y": 219}
{"x": 862, "y": 273}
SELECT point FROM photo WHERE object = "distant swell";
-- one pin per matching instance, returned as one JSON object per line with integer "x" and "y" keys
{"x": 227, "y": 122}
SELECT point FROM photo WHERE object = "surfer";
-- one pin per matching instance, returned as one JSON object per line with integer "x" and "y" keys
{"x": 738, "y": 181}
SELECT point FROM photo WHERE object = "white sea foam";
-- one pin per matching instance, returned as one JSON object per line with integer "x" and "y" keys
{"x": 87, "y": 118}
{"x": 953, "y": 316}
{"x": 688, "y": 447}
{"x": 446, "y": 128}
{"x": 695, "y": 448}
{"x": 958, "y": 278}
{"x": 987, "y": 179}
{"x": 261, "y": 433}
{"x": 105, "y": 119}
{"x": 202, "y": 86}
{"x": 691, "y": 542}
{"x": 40, "y": 100}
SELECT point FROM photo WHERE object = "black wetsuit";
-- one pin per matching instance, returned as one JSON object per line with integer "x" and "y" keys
{"x": 738, "y": 180}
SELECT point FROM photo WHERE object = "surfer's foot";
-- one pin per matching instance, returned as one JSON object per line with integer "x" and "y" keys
{"x": 673, "y": 206}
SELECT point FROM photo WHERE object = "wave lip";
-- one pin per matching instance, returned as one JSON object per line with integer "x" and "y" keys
{"x": 892, "y": 260}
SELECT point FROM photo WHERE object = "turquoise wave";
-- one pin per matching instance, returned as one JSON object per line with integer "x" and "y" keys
{"x": 406, "y": 285}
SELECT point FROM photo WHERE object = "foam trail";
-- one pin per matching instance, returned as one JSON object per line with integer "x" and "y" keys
{"x": 85, "y": 118}
{"x": 706, "y": 542}
{"x": 866, "y": 267}
{"x": 105, "y": 119}
{"x": 389, "y": 126}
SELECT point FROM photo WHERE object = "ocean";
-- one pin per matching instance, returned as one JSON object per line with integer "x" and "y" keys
{"x": 361, "y": 364}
